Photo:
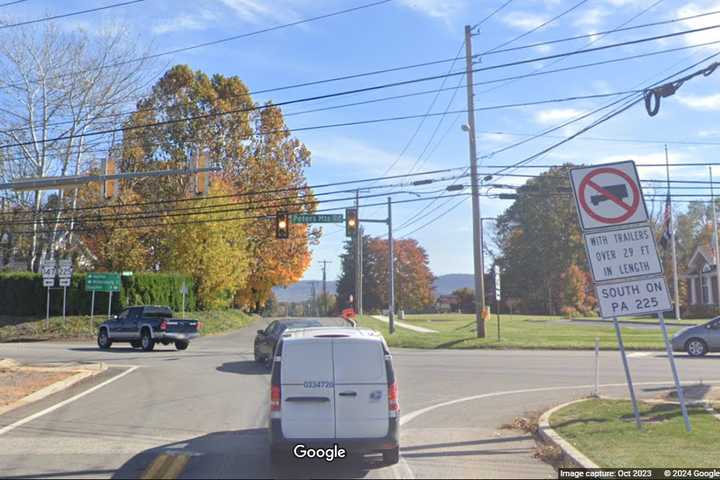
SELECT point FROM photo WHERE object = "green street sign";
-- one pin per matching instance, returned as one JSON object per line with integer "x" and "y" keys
{"x": 312, "y": 218}
{"x": 102, "y": 282}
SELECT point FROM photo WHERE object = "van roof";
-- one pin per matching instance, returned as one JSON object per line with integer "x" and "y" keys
{"x": 332, "y": 332}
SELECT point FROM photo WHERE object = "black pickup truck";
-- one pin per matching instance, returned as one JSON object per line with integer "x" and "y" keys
{"x": 144, "y": 326}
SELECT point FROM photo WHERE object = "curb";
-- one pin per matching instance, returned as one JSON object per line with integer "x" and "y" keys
{"x": 83, "y": 373}
{"x": 551, "y": 436}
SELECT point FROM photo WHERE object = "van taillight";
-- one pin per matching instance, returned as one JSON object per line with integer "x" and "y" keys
{"x": 393, "y": 404}
{"x": 275, "y": 398}
{"x": 163, "y": 325}
{"x": 199, "y": 325}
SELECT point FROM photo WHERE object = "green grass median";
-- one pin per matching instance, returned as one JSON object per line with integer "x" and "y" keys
{"x": 17, "y": 329}
{"x": 604, "y": 430}
{"x": 520, "y": 331}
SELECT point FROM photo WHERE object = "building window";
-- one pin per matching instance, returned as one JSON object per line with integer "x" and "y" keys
{"x": 705, "y": 290}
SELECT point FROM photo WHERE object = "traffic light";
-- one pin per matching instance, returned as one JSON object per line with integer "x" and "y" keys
{"x": 282, "y": 225}
{"x": 110, "y": 187}
{"x": 202, "y": 179}
{"x": 351, "y": 221}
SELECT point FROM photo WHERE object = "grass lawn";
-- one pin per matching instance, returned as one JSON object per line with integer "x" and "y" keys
{"x": 517, "y": 331}
{"x": 605, "y": 431}
{"x": 78, "y": 327}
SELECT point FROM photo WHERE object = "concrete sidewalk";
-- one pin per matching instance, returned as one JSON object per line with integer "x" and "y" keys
{"x": 414, "y": 328}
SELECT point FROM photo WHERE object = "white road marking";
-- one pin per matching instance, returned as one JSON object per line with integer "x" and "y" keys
{"x": 640, "y": 354}
{"x": 414, "y": 328}
{"x": 41, "y": 413}
{"x": 412, "y": 415}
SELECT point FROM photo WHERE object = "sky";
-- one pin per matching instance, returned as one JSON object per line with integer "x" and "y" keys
{"x": 408, "y": 32}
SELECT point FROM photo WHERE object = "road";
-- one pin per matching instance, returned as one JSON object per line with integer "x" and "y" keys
{"x": 206, "y": 407}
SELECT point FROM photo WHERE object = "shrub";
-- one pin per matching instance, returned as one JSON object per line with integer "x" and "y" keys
{"x": 23, "y": 294}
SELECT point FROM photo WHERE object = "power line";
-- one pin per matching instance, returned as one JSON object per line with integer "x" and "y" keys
{"x": 65, "y": 15}
{"x": 12, "y": 3}
{"x": 255, "y": 217}
{"x": 535, "y": 29}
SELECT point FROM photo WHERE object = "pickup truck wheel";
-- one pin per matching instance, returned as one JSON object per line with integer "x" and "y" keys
{"x": 391, "y": 457}
{"x": 180, "y": 345}
{"x": 135, "y": 344}
{"x": 146, "y": 341}
{"x": 103, "y": 340}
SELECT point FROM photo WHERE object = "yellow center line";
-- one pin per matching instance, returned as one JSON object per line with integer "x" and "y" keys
{"x": 166, "y": 466}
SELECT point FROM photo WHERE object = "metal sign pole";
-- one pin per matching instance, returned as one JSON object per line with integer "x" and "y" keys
{"x": 47, "y": 311}
{"x": 627, "y": 373}
{"x": 596, "y": 390}
{"x": 678, "y": 387}
{"x": 92, "y": 312}
{"x": 64, "y": 301}
{"x": 109, "y": 302}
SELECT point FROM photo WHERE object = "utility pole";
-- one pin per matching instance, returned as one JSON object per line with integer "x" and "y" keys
{"x": 676, "y": 288}
{"x": 391, "y": 270}
{"x": 715, "y": 238}
{"x": 324, "y": 280}
{"x": 314, "y": 298}
{"x": 477, "y": 223}
{"x": 358, "y": 258}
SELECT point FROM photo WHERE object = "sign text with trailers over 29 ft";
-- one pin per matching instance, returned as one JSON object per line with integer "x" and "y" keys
{"x": 608, "y": 195}
{"x": 624, "y": 253}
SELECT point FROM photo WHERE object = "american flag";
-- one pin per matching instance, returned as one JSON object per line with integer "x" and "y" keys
{"x": 667, "y": 234}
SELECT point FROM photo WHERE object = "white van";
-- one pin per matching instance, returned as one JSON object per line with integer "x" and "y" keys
{"x": 333, "y": 388}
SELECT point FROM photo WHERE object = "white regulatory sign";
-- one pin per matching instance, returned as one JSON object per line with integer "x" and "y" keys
{"x": 65, "y": 282}
{"x": 48, "y": 268}
{"x": 608, "y": 195}
{"x": 48, "y": 281}
{"x": 616, "y": 254}
{"x": 633, "y": 297}
{"x": 64, "y": 268}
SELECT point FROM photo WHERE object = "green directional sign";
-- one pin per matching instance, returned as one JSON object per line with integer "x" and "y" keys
{"x": 312, "y": 218}
{"x": 102, "y": 282}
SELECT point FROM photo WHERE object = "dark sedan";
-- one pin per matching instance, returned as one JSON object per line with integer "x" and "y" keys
{"x": 265, "y": 340}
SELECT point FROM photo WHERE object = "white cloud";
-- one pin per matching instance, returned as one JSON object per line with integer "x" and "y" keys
{"x": 591, "y": 18}
{"x": 194, "y": 21}
{"x": 700, "y": 37}
{"x": 259, "y": 11}
{"x": 556, "y": 115}
{"x": 441, "y": 9}
{"x": 523, "y": 20}
{"x": 701, "y": 102}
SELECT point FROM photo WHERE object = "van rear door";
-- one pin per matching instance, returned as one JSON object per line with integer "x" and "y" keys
{"x": 307, "y": 392}
{"x": 361, "y": 390}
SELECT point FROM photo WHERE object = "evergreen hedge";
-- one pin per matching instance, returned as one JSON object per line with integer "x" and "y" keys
{"x": 23, "y": 294}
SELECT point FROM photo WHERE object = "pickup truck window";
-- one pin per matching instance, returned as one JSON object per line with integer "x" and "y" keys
{"x": 123, "y": 315}
{"x": 157, "y": 312}
{"x": 134, "y": 313}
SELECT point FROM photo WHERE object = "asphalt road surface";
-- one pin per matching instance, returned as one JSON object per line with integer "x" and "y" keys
{"x": 202, "y": 413}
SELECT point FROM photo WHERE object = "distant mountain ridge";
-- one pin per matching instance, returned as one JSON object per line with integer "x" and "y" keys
{"x": 302, "y": 290}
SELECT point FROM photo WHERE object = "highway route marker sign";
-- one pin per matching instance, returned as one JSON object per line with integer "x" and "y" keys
{"x": 625, "y": 253}
{"x": 48, "y": 267}
{"x": 65, "y": 272}
{"x": 608, "y": 195}
{"x": 633, "y": 297}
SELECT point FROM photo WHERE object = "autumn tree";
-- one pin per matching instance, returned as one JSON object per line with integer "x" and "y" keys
{"x": 539, "y": 238}
{"x": 263, "y": 166}
{"x": 576, "y": 294}
{"x": 211, "y": 249}
{"x": 413, "y": 278}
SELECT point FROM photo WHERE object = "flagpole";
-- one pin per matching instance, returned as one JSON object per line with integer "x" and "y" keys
{"x": 672, "y": 241}
{"x": 715, "y": 237}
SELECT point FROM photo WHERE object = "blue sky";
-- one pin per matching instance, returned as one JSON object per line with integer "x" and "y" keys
{"x": 405, "y": 32}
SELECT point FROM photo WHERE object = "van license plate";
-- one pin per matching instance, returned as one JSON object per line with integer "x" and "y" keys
{"x": 313, "y": 384}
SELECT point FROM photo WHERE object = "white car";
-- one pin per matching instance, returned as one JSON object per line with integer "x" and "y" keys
{"x": 333, "y": 393}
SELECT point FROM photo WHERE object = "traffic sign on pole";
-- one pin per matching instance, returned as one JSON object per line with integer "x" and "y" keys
{"x": 625, "y": 253}
{"x": 102, "y": 282}
{"x": 608, "y": 195}
{"x": 633, "y": 297}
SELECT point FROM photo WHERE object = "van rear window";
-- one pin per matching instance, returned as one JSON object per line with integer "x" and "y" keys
{"x": 359, "y": 362}
{"x": 306, "y": 360}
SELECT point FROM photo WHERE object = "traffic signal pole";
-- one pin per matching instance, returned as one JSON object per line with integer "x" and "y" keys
{"x": 358, "y": 259}
{"x": 391, "y": 271}
{"x": 476, "y": 216}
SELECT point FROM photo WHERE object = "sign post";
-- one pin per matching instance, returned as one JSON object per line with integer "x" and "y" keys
{"x": 48, "y": 267}
{"x": 622, "y": 254}
{"x": 65, "y": 274}
{"x": 92, "y": 312}
{"x": 497, "y": 298}
{"x": 184, "y": 291}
